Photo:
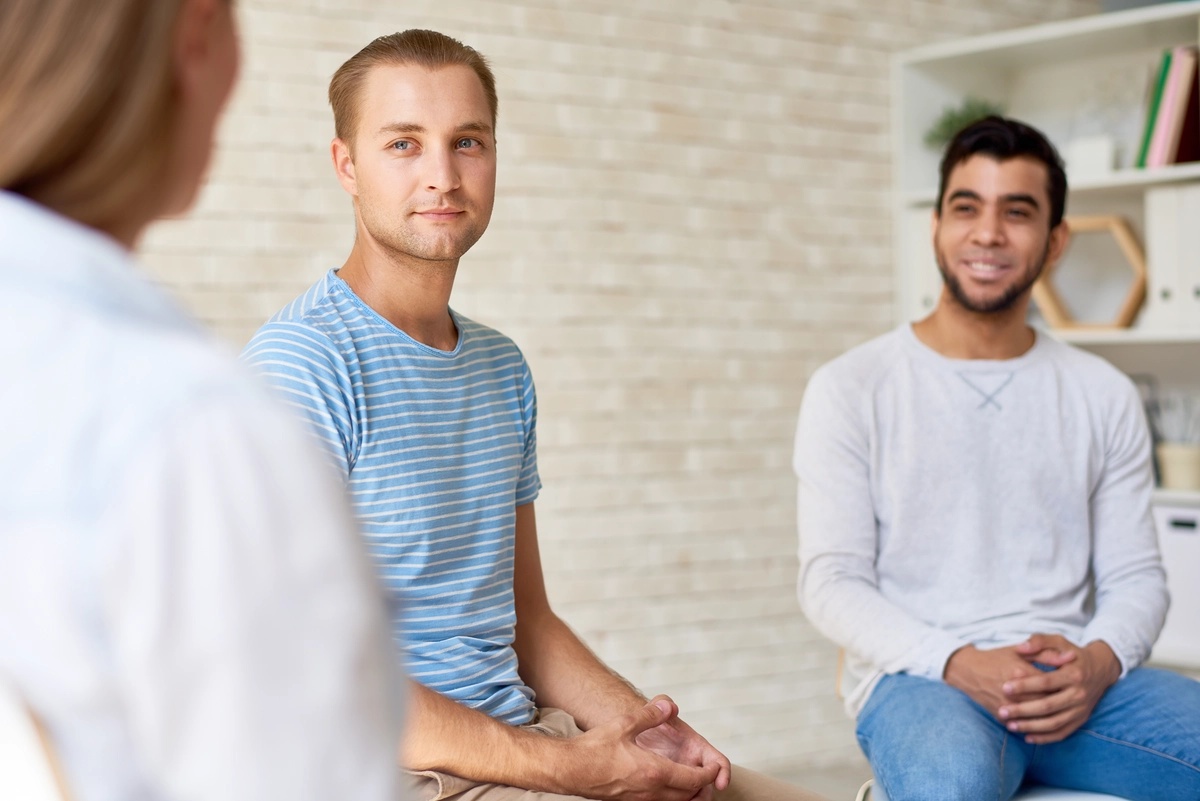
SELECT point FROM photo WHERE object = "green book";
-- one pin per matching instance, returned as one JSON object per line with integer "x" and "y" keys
{"x": 1164, "y": 68}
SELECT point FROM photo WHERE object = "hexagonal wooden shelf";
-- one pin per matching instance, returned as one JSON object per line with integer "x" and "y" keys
{"x": 1050, "y": 303}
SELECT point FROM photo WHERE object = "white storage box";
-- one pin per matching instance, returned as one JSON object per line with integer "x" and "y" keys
{"x": 1179, "y": 538}
{"x": 1173, "y": 271}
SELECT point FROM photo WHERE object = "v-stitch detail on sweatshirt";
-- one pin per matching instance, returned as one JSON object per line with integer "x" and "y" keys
{"x": 989, "y": 395}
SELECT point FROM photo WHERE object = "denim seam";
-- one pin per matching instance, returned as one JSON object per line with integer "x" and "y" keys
{"x": 884, "y": 786}
{"x": 1000, "y": 784}
{"x": 865, "y": 746}
{"x": 1139, "y": 747}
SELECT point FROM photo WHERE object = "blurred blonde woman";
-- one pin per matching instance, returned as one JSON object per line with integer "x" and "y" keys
{"x": 182, "y": 598}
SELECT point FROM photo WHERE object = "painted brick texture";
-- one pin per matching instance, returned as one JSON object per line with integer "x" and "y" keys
{"x": 692, "y": 215}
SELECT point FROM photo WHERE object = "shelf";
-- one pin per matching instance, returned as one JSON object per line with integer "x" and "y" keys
{"x": 1165, "y": 497}
{"x": 1072, "y": 79}
{"x": 1137, "y": 179}
{"x": 1064, "y": 41}
{"x": 1124, "y": 336}
{"x": 1118, "y": 180}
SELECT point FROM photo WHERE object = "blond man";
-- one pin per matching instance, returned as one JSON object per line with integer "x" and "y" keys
{"x": 431, "y": 419}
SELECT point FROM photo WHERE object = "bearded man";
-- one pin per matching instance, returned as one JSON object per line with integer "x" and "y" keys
{"x": 975, "y": 527}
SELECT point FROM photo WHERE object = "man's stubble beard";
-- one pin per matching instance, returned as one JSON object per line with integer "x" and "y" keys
{"x": 1003, "y": 303}
{"x": 402, "y": 244}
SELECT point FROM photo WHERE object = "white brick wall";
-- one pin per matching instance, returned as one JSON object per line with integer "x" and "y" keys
{"x": 692, "y": 216}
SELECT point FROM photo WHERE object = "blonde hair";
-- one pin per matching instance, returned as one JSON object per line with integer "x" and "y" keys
{"x": 87, "y": 102}
{"x": 428, "y": 49}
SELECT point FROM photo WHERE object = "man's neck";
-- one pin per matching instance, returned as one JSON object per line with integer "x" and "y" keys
{"x": 411, "y": 294}
{"x": 958, "y": 333}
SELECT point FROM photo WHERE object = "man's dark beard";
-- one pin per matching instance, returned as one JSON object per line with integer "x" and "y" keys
{"x": 1002, "y": 303}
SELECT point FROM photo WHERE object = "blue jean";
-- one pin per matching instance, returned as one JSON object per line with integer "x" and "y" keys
{"x": 927, "y": 740}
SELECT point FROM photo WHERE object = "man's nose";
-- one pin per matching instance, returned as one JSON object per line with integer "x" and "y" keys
{"x": 441, "y": 172}
{"x": 988, "y": 229}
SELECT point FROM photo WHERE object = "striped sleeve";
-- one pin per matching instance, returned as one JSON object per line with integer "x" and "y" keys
{"x": 305, "y": 370}
{"x": 529, "y": 484}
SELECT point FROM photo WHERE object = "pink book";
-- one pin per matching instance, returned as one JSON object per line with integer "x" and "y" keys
{"x": 1183, "y": 98}
{"x": 1160, "y": 143}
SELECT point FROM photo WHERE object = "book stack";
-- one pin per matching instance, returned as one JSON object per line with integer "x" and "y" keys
{"x": 1171, "y": 134}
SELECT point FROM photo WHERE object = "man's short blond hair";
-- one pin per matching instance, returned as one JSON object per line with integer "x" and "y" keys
{"x": 428, "y": 49}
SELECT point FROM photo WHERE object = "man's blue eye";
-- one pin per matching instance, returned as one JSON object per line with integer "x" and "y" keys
{"x": 466, "y": 141}
{"x": 401, "y": 145}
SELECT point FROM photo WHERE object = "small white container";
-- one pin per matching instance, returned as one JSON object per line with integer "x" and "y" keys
{"x": 1179, "y": 465}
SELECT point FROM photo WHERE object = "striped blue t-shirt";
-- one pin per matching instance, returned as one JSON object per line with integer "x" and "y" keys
{"x": 437, "y": 449}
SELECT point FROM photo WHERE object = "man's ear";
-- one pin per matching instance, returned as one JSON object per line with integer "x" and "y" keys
{"x": 1060, "y": 235}
{"x": 343, "y": 165}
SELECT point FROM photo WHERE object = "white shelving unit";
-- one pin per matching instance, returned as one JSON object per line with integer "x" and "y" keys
{"x": 1073, "y": 79}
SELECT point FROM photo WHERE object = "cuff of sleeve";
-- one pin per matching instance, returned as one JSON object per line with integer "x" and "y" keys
{"x": 929, "y": 658}
{"x": 1128, "y": 657}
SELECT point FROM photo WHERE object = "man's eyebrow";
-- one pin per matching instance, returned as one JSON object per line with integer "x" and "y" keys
{"x": 412, "y": 127}
{"x": 475, "y": 127}
{"x": 1015, "y": 197}
{"x": 1020, "y": 197}
{"x": 402, "y": 127}
{"x": 963, "y": 194}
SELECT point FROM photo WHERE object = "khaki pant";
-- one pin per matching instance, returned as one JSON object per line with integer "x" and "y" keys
{"x": 430, "y": 785}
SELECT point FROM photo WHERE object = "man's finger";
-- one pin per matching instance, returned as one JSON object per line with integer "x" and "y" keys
{"x": 654, "y": 713}
{"x": 691, "y": 779}
{"x": 1051, "y": 656}
{"x": 667, "y": 700}
{"x": 1021, "y": 699}
{"x": 1045, "y": 642}
{"x": 724, "y": 775}
{"x": 1044, "y": 725}
{"x": 714, "y": 758}
{"x": 1040, "y": 684}
{"x": 1038, "y": 709}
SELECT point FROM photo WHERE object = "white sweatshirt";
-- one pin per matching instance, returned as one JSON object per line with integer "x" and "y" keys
{"x": 945, "y": 501}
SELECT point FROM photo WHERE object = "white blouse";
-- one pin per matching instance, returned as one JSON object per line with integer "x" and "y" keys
{"x": 183, "y": 597}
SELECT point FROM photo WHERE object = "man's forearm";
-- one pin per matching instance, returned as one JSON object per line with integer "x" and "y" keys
{"x": 563, "y": 672}
{"x": 1108, "y": 666}
{"x": 446, "y": 736}
{"x": 566, "y": 675}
